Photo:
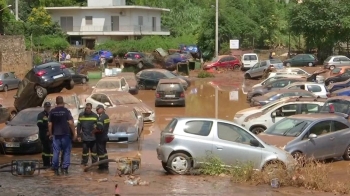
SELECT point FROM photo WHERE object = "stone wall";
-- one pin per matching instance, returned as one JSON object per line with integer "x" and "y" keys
{"x": 13, "y": 56}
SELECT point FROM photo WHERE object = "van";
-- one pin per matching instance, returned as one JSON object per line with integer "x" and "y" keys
{"x": 249, "y": 60}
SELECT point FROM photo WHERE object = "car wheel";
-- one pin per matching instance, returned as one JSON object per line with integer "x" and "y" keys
{"x": 256, "y": 95}
{"x": 41, "y": 92}
{"x": 310, "y": 64}
{"x": 83, "y": 81}
{"x": 165, "y": 167}
{"x": 288, "y": 64}
{"x": 6, "y": 88}
{"x": 12, "y": 115}
{"x": 142, "y": 86}
{"x": 140, "y": 65}
{"x": 179, "y": 163}
{"x": 346, "y": 155}
{"x": 236, "y": 67}
{"x": 274, "y": 168}
{"x": 331, "y": 67}
{"x": 70, "y": 85}
{"x": 258, "y": 129}
{"x": 247, "y": 76}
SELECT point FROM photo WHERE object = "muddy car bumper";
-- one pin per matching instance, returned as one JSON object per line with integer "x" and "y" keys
{"x": 163, "y": 152}
{"x": 134, "y": 90}
{"x": 161, "y": 102}
{"x": 123, "y": 137}
{"x": 24, "y": 148}
{"x": 149, "y": 117}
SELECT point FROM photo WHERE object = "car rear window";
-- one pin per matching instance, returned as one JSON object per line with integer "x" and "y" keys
{"x": 250, "y": 58}
{"x": 336, "y": 70}
{"x": 328, "y": 59}
{"x": 169, "y": 87}
{"x": 171, "y": 126}
{"x": 198, "y": 127}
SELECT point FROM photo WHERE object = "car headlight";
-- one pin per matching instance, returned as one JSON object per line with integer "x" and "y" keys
{"x": 131, "y": 130}
{"x": 32, "y": 138}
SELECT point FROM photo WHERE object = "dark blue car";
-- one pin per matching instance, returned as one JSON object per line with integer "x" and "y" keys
{"x": 338, "y": 85}
{"x": 192, "y": 48}
{"x": 102, "y": 53}
{"x": 341, "y": 92}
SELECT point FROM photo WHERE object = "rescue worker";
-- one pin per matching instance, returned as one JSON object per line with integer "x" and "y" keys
{"x": 43, "y": 125}
{"x": 102, "y": 136}
{"x": 60, "y": 125}
{"x": 86, "y": 128}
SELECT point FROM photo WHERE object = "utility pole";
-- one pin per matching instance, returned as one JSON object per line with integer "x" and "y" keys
{"x": 16, "y": 10}
{"x": 217, "y": 28}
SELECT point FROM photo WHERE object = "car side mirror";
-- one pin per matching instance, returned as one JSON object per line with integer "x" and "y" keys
{"x": 107, "y": 104}
{"x": 312, "y": 136}
{"x": 254, "y": 142}
{"x": 273, "y": 115}
{"x": 93, "y": 87}
{"x": 81, "y": 107}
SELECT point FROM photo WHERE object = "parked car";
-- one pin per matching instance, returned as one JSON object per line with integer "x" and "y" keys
{"x": 42, "y": 80}
{"x": 117, "y": 99}
{"x": 8, "y": 81}
{"x": 316, "y": 136}
{"x": 170, "y": 92}
{"x": 278, "y": 94}
{"x": 149, "y": 78}
{"x": 269, "y": 80}
{"x": 338, "y": 85}
{"x": 277, "y": 84}
{"x": 126, "y": 125}
{"x": 192, "y": 49}
{"x": 96, "y": 56}
{"x": 186, "y": 142}
{"x": 339, "y": 70}
{"x": 242, "y": 114}
{"x": 78, "y": 78}
{"x": 339, "y": 105}
{"x": 259, "y": 68}
{"x": 318, "y": 89}
{"x": 249, "y": 60}
{"x": 314, "y": 77}
{"x": 115, "y": 83}
{"x": 21, "y": 134}
{"x": 336, "y": 61}
{"x": 338, "y": 78}
{"x": 169, "y": 62}
{"x": 130, "y": 78}
{"x": 223, "y": 61}
{"x": 257, "y": 123}
{"x": 138, "y": 59}
{"x": 341, "y": 92}
{"x": 7, "y": 113}
{"x": 301, "y": 60}
{"x": 72, "y": 102}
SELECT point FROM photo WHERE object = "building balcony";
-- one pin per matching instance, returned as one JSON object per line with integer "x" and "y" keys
{"x": 115, "y": 30}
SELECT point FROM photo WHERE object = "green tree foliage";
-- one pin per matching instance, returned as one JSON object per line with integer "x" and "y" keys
{"x": 50, "y": 42}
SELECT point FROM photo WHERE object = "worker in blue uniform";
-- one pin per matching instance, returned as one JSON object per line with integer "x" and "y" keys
{"x": 102, "y": 136}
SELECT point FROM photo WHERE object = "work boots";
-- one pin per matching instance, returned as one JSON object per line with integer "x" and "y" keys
{"x": 65, "y": 171}
{"x": 57, "y": 173}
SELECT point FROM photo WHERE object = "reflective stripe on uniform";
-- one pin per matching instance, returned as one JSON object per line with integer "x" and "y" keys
{"x": 45, "y": 118}
{"x": 102, "y": 156}
{"x": 39, "y": 121}
{"x": 106, "y": 121}
{"x": 47, "y": 155}
{"x": 84, "y": 155}
{"x": 101, "y": 123}
{"x": 93, "y": 154}
{"x": 87, "y": 118}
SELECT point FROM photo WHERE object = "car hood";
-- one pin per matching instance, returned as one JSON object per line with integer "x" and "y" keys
{"x": 254, "y": 115}
{"x": 259, "y": 98}
{"x": 116, "y": 127}
{"x": 104, "y": 89}
{"x": 248, "y": 110}
{"x": 18, "y": 131}
{"x": 275, "y": 140}
{"x": 141, "y": 108}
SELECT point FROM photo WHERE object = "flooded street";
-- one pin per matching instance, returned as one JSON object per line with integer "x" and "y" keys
{"x": 200, "y": 101}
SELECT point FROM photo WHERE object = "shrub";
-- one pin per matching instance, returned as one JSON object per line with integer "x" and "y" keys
{"x": 50, "y": 42}
{"x": 204, "y": 74}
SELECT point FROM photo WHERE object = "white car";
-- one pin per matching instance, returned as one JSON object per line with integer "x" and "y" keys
{"x": 276, "y": 77}
{"x": 258, "y": 122}
{"x": 249, "y": 60}
{"x": 242, "y": 114}
{"x": 295, "y": 71}
{"x": 316, "y": 88}
{"x": 111, "y": 84}
{"x": 111, "y": 99}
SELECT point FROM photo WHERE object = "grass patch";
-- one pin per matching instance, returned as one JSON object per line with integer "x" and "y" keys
{"x": 204, "y": 74}
{"x": 130, "y": 69}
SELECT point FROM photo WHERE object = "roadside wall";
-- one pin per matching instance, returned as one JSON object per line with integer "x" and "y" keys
{"x": 13, "y": 56}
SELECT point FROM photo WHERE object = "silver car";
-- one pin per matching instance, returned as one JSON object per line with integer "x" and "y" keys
{"x": 336, "y": 61}
{"x": 259, "y": 68}
{"x": 8, "y": 81}
{"x": 126, "y": 124}
{"x": 186, "y": 142}
{"x": 319, "y": 136}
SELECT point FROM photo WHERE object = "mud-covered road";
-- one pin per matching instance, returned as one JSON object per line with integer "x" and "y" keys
{"x": 200, "y": 101}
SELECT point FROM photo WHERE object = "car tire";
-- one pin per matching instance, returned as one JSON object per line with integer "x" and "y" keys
{"x": 142, "y": 86}
{"x": 6, "y": 88}
{"x": 236, "y": 67}
{"x": 346, "y": 155}
{"x": 331, "y": 67}
{"x": 140, "y": 65}
{"x": 310, "y": 64}
{"x": 258, "y": 129}
{"x": 257, "y": 95}
{"x": 83, "y": 81}
{"x": 70, "y": 85}
{"x": 179, "y": 163}
{"x": 274, "y": 168}
{"x": 247, "y": 76}
{"x": 165, "y": 167}
{"x": 41, "y": 92}
{"x": 288, "y": 64}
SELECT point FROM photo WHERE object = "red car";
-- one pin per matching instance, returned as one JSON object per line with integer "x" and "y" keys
{"x": 223, "y": 61}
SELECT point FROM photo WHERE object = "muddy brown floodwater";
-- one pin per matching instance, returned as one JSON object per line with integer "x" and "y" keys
{"x": 200, "y": 101}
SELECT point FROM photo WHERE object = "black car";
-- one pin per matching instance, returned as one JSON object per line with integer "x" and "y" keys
{"x": 170, "y": 92}
{"x": 338, "y": 85}
{"x": 149, "y": 78}
{"x": 338, "y": 78}
{"x": 78, "y": 78}
{"x": 21, "y": 134}
{"x": 42, "y": 80}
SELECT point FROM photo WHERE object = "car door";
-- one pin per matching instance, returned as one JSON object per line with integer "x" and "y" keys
{"x": 6, "y": 80}
{"x": 297, "y": 60}
{"x": 253, "y": 71}
{"x": 146, "y": 79}
{"x": 158, "y": 76}
{"x": 94, "y": 99}
{"x": 344, "y": 61}
{"x": 306, "y": 59}
{"x": 279, "y": 84}
{"x": 224, "y": 62}
{"x": 231, "y": 144}
{"x": 309, "y": 108}
{"x": 343, "y": 77}
{"x": 283, "y": 112}
{"x": 13, "y": 82}
{"x": 342, "y": 135}
{"x": 317, "y": 90}
{"x": 262, "y": 67}
{"x": 74, "y": 76}
{"x": 323, "y": 146}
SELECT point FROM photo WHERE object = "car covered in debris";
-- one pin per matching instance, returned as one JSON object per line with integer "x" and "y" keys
{"x": 338, "y": 85}
{"x": 114, "y": 83}
{"x": 138, "y": 59}
{"x": 130, "y": 78}
{"x": 117, "y": 99}
{"x": 8, "y": 81}
{"x": 339, "y": 105}
{"x": 169, "y": 61}
{"x": 192, "y": 49}
{"x": 126, "y": 124}
{"x": 149, "y": 78}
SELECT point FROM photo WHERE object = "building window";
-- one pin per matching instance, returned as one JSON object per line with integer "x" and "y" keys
{"x": 88, "y": 20}
{"x": 66, "y": 23}
{"x": 115, "y": 23}
{"x": 154, "y": 24}
{"x": 140, "y": 20}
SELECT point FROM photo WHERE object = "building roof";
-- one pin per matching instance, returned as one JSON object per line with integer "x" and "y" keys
{"x": 107, "y": 7}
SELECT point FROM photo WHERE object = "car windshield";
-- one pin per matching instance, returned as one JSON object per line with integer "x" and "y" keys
{"x": 25, "y": 118}
{"x": 341, "y": 106}
{"x": 69, "y": 100}
{"x": 270, "y": 105}
{"x": 336, "y": 70}
{"x": 124, "y": 99}
{"x": 108, "y": 84}
{"x": 288, "y": 127}
{"x": 215, "y": 59}
{"x": 250, "y": 58}
{"x": 121, "y": 116}
{"x": 169, "y": 75}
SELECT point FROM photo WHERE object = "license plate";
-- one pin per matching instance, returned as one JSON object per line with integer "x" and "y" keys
{"x": 169, "y": 95}
{"x": 58, "y": 76}
{"x": 12, "y": 145}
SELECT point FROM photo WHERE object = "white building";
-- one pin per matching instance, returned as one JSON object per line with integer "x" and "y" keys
{"x": 105, "y": 20}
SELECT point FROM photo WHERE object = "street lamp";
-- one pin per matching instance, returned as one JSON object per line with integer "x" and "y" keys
{"x": 217, "y": 28}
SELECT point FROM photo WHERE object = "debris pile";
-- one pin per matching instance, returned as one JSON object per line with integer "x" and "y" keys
{"x": 132, "y": 180}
